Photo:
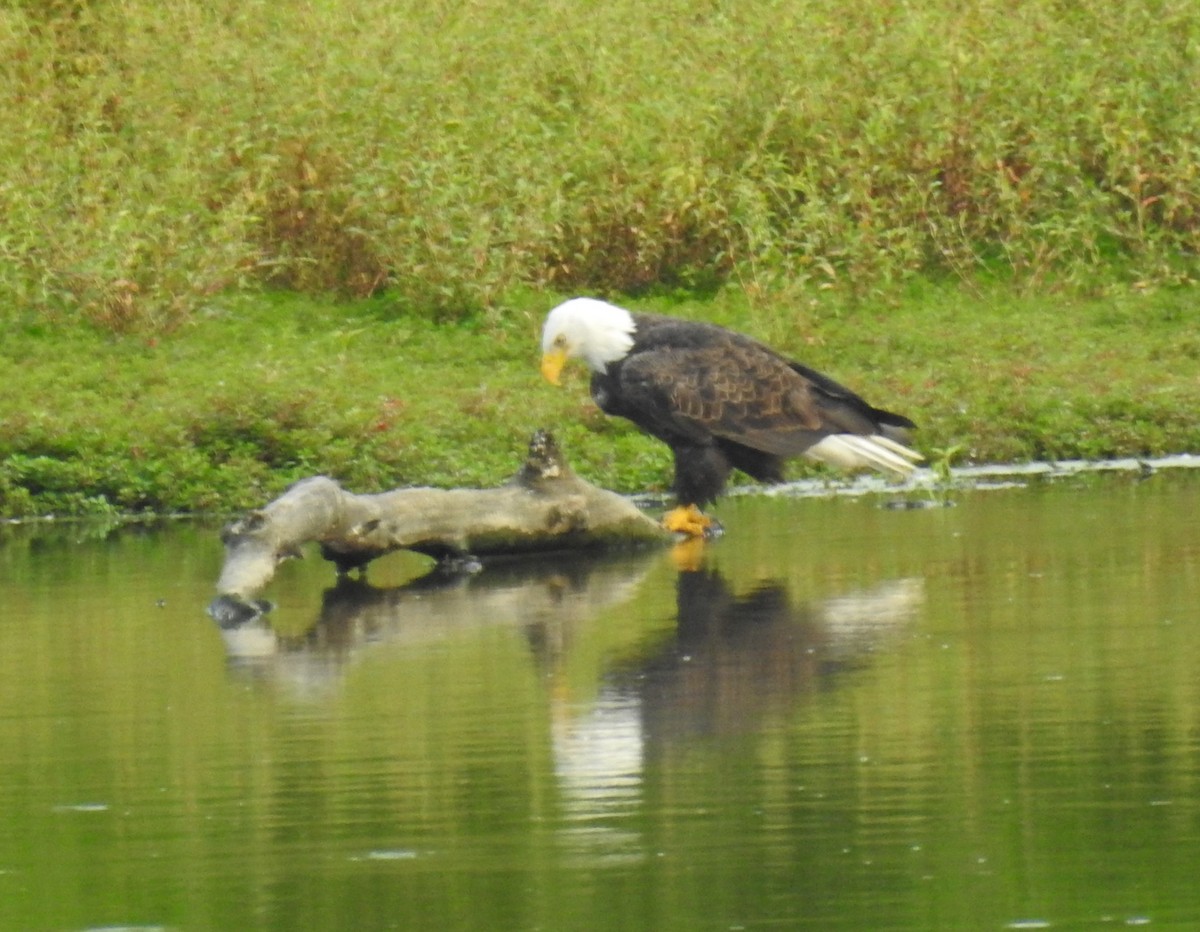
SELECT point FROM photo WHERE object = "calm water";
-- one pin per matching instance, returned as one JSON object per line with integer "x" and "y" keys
{"x": 844, "y": 717}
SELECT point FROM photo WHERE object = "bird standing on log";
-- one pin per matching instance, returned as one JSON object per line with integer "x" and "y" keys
{"x": 721, "y": 401}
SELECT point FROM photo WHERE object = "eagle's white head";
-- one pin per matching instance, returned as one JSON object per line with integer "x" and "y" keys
{"x": 595, "y": 330}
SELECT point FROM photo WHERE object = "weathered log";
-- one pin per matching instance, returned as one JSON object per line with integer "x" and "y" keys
{"x": 545, "y": 507}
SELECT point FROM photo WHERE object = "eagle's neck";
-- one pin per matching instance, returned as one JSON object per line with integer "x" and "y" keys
{"x": 608, "y": 333}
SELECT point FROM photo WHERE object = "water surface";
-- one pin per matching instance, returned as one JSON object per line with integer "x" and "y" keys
{"x": 839, "y": 716}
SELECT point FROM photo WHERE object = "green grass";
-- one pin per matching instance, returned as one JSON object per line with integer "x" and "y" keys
{"x": 258, "y": 391}
{"x": 446, "y": 154}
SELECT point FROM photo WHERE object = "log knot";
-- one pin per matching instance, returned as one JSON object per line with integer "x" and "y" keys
{"x": 544, "y": 462}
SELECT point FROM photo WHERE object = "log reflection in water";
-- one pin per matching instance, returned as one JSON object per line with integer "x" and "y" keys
{"x": 541, "y": 597}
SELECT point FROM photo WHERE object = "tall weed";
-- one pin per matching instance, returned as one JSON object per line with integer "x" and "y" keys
{"x": 444, "y": 154}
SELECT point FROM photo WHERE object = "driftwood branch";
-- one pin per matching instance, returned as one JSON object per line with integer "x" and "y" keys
{"x": 545, "y": 507}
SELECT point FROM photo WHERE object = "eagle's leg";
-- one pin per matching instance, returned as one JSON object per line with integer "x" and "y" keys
{"x": 688, "y": 519}
{"x": 701, "y": 468}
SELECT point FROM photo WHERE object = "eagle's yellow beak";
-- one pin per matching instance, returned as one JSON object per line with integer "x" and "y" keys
{"x": 552, "y": 365}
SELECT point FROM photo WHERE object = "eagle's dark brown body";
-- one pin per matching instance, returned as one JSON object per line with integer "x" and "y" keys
{"x": 722, "y": 401}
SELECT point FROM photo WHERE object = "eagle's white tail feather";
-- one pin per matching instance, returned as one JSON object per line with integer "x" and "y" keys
{"x": 907, "y": 452}
{"x": 851, "y": 451}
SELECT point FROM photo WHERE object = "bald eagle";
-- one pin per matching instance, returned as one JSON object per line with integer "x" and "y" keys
{"x": 721, "y": 401}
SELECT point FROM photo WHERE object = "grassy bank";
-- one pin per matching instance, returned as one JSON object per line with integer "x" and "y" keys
{"x": 448, "y": 153}
{"x": 444, "y": 169}
{"x": 256, "y": 392}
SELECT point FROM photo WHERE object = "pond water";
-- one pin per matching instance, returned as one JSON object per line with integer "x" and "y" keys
{"x": 838, "y": 716}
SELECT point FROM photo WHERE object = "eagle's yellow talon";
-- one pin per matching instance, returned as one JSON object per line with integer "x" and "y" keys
{"x": 687, "y": 520}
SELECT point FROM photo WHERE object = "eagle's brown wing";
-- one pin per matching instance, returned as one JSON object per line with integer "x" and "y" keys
{"x": 738, "y": 390}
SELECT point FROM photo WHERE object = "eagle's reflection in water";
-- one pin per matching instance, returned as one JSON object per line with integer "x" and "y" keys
{"x": 738, "y": 659}
{"x": 733, "y": 663}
